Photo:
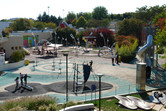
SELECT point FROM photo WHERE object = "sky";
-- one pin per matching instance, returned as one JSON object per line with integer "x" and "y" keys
{"x": 32, "y": 8}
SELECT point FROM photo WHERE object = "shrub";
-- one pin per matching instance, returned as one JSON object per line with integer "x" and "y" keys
{"x": 18, "y": 108}
{"x": 126, "y": 52}
{"x": 17, "y": 56}
{"x": 31, "y": 103}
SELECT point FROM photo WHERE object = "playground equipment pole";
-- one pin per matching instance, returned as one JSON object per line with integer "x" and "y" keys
{"x": 65, "y": 54}
{"x": 55, "y": 37}
{"x": 101, "y": 34}
{"x": 100, "y": 75}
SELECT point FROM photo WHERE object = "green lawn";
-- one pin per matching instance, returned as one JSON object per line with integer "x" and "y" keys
{"x": 112, "y": 104}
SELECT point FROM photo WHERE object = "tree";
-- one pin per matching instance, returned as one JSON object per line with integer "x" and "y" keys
{"x": 64, "y": 34}
{"x": 21, "y": 24}
{"x": 159, "y": 20}
{"x": 74, "y": 22}
{"x": 70, "y": 16}
{"x": 100, "y": 13}
{"x": 51, "y": 25}
{"x": 98, "y": 23}
{"x": 46, "y": 18}
{"x": 130, "y": 26}
{"x": 160, "y": 38}
{"x": 100, "y": 41}
{"x": 39, "y": 25}
{"x": 86, "y": 15}
{"x": 81, "y": 22}
{"x": 5, "y": 33}
{"x": 147, "y": 13}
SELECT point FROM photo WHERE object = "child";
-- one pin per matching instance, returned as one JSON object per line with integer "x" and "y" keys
{"x": 17, "y": 82}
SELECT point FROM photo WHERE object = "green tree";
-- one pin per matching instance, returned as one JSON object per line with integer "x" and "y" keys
{"x": 70, "y": 16}
{"x": 160, "y": 38}
{"x": 86, "y": 15}
{"x": 64, "y": 34}
{"x": 74, "y": 22}
{"x": 98, "y": 23}
{"x": 39, "y": 25}
{"x": 100, "y": 13}
{"x": 130, "y": 26}
{"x": 51, "y": 25}
{"x": 147, "y": 13}
{"x": 21, "y": 24}
{"x": 81, "y": 22}
{"x": 46, "y": 18}
{"x": 158, "y": 18}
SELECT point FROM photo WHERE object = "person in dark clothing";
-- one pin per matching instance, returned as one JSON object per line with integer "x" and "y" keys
{"x": 17, "y": 82}
{"x": 148, "y": 72}
{"x": 112, "y": 59}
{"x": 90, "y": 63}
{"x": 117, "y": 57}
{"x": 25, "y": 79}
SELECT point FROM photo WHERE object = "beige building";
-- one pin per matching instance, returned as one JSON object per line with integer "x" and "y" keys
{"x": 11, "y": 45}
{"x": 15, "y": 41}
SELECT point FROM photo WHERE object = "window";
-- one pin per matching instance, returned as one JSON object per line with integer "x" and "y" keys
{"x": 12, "y": 48}
{"x": 20, "y": 47}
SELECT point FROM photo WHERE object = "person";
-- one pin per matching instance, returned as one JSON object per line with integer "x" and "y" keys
{"x": 21, "y": 79}
{"x": 148, "y": 72}
{"x": 42, "y": 50}
{"x": 25, "y": 79}
{"x": 90, "y": 63}
{"x": 17, "y": 82}
{"x": 2, "y": 50}
{"x": 117, "y": 56}
{"x": 112, "y": 59}
{"x": 38, "y": 51}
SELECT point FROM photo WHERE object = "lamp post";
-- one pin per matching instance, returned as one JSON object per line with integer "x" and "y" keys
{"x": 99, "y": 75}
{"x": 66, "y": 54}
{"x": 48, "y": 10}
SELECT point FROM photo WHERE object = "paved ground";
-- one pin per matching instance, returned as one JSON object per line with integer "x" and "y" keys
{"x": 122, "y": 77}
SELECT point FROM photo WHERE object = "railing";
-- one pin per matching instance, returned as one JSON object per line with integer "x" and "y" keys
{"x": 3, "y": 39}
{"x": 94, "y": 95}
{"x": 2, "y": 58}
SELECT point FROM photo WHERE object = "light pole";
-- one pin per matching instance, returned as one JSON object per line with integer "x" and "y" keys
{"x": 101, "y": 34}
{"x": 99, "y": 75}
{"x": 48, "y": 10}
{"x": 66, "y": 54}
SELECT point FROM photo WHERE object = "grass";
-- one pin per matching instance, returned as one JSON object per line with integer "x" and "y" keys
{"x": 112, "y": 104}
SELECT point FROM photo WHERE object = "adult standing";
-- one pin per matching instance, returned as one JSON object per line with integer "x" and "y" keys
{"x": 112, "y": 59}
{"x": 25, "y": 79}
{"x": 21, "y": 79}
{"x": 117, "y": 57}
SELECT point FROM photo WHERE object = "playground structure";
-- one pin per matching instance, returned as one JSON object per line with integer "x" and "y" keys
{"x": 89, "y": 40}
{"x": 106, "y": 51}
{"x": 149, "y": 65}
{"x": 79, "y": 74}
{"x": 142, "y": 51}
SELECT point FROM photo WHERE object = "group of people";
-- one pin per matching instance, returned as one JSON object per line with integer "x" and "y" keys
{"x": 23, "y": 77}
{"x": 115, "y": 59}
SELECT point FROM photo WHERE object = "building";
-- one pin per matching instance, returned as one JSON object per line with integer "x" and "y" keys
{"x": 16, "y": 40}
